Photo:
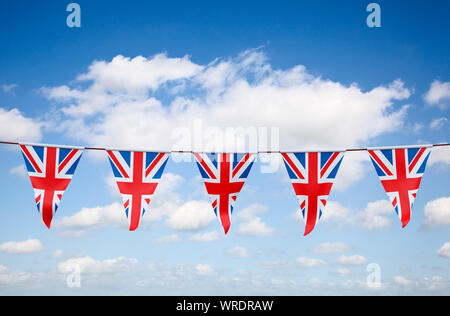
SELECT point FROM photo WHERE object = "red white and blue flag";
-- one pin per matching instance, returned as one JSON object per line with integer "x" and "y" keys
{"x": 50, "y": 170}
{"x": 224, "y": 175}
{"x": 312, "y": 175}
{"x": 400, "y": 171}
{"x": 137, "y": 175}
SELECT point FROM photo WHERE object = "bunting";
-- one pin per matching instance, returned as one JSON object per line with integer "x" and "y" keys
{"x": 137, "y": 175}
{"x": 224, "y": 176}
{"x": 400, "y": 171}
{"x": 312, "y": 175}
{"x": 50, "y": 170}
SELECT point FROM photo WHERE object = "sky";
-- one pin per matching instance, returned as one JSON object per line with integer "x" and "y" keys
{"x": 159, "y": 75}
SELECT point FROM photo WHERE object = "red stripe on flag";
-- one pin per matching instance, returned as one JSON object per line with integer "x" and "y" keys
{"x": 292, "y": 165}
{"x": 416, "y": 159}
{"x": 117, "y": 163}
{"x": 239, "y": 166}
{"x": 205, "y": 166}
{"x": 327, "y": 165}
{"x": 67, "y": 159}
{"x": 27, "y": 153}
{"x": 380, "y": 163}
{"x": 153, "y": 164}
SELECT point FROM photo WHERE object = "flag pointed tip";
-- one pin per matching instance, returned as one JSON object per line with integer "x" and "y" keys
{"x": 48, "y": 223}
{"x": 404, "y": 223}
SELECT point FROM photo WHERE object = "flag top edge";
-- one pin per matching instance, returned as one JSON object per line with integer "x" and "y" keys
{"x": 52, "y": 145}
{"x": 399, "y": 147}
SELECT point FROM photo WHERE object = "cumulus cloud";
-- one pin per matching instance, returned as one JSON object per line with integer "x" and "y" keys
{"x": 440, "y": 155}
{"x": 438, "y": 123}
{"x": 353, "y": 260}
{"x": 402, "y": 280}
{"x": 438, "y": 92}
{"x": 353, "y": 168}
{"x": 375, "y": 215}
{"x": 437, "y": 212}
{"x": 123, "y": 98}
{"x": 204, "y": 270}
{"x": 191, "y": 216}
{"x": 168, "y": 239}
{"x": 14, "y": 126}
{"x": 330, "y": 248}
{"x": 343, "y": 272}
{"x": 238, "y": 252}
{"x": 8, "y": 277}
{"x": 20, "y": 171}
{"x": 94, "y": 217}
{"x": 444, "y": 251}
{"x": 8, "y": 88}
{"x": 305, "y": 262}
{"x": 252, "y": 225}
{"x": 207, "y": 236}
{"x": 89, "y": 265}
{"x": 21, "y": 247}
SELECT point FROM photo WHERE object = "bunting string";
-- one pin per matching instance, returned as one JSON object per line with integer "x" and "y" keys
{"x": 192, "y": 152}
{"x": 137, "y": 174}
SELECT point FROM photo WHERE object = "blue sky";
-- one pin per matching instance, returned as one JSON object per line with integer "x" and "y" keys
{"x": 137, "y": 72}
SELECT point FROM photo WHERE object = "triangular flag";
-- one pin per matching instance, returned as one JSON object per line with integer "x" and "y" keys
{"x": 137, "y": 175}
{"x": 312, "y": 175}
{"x": 400, "y": 171}
{"x": 50, "y": 170}
{"x": 224, "y": 176}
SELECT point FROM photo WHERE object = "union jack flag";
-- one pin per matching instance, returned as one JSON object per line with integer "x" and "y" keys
{"x": 137, "y": 175}
{"x": 50, "y": 170}
{"x": 400, "y": 171}
{"x": 312, "y": 175}
{"x": 224, "y": 176}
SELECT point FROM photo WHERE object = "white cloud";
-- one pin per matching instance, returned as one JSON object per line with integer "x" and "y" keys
{"x": 343, "y": 272}
{"x": 20, "y": 171}
{"x": 119, "y": 102}
{"x": 57, "y": 254}
{"x": 204, "y": 270}
{"x": 94, "y": 217}
{"x": 16, "y": 127}
{"x": 435, "y": 283}
{"x": 20, "y": 247}
{"x": 89, "y": 265}
{"x": 8, "y": 277}
{"x": 255, "y": 227}
{"x": 168, "y": 239}
{"x": 250, "y": 212}
{"x": 334, "y": 212}
{"x": 440, "y": 155}
{"x": 402, "y": 280}
{"x": 444, "y": 251}
{"x": 438, "y": 123}
{"x": 165, "y": 202}
{"x": 353, "y": 260}
{"x": 330, "y": 248}
{"x": 207, "y": 237}
{"x": 252, "y": 225}
{"x": 437, "y": 212}
{"x": 353, "y": 168}
{"x": 375, "y": 215}
{"x": 238, "y": 252}
{"x": 192, "y": 215}
{"x": 305, "y": 262}
{"x": 438, "y": 92}
{"x": 8, "y": 88}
